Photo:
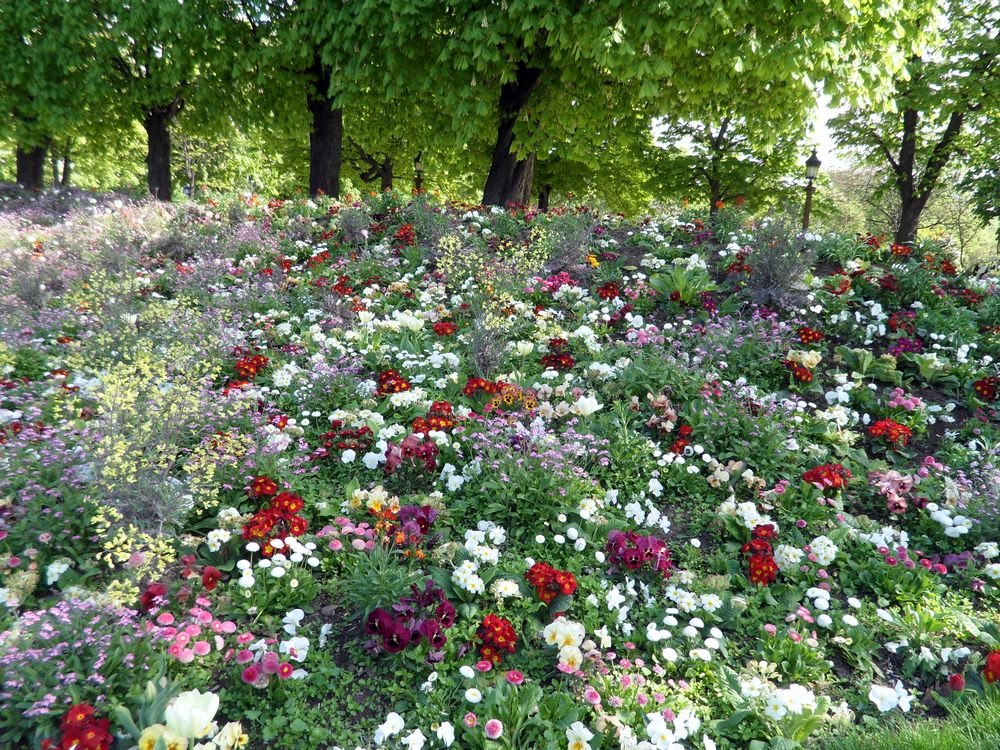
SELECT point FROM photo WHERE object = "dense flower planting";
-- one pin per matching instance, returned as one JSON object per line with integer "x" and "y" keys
{"x": 405, "y": 474}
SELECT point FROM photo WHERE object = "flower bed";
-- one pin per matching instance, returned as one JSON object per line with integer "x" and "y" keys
{"x": 393, "y": 473}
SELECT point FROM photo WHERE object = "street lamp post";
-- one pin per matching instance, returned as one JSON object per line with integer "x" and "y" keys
{"x": 812, "y": 169}
{"x": 418, "y": 172}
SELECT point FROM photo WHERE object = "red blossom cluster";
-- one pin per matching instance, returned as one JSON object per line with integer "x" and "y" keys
{"x": 799, "y": 371}
{"x": 249, "y": 367}
{"x": 611, "y": 290}
{"x": 889, "y": 283}
{"x": 558, "y": 358}
{"x": 81, "y": 730}
{"x": 549, "y": 582}
{"x": 405, "y": 236}
{"x": 340, "y": 439}
{"x": 473, "y": 385}
{"x": 740, "y": 265}
{"x": 685, "y": 431}
{"x": 439, "y": 419}
{"x": 900, "y": 251}
{"x": 970, "y": 297}
{"x": 827, "y": 476}
{"x": 809, "y": 335}
{"x": 498, "y": 638}
{"x": 276, "y": 521}
{"x": 633, "y": 551}
{"x": 903, "y": 321}
{"x": 893, "y": 432}
{"x": 343, "y": 286}
{"x": 987, "y": 388}
{"x": 838, "y": 283}
{"x": 762, "y": 568}
{"x": 413, "y": 450}
{"x": 445, "y": 328}
{"x": 872, "y": 241}
{"x": 390, "y": 382}
{"x": 263, "y": 486}
{"x": 319, "y": 259}
{"x": 992, "y": 671}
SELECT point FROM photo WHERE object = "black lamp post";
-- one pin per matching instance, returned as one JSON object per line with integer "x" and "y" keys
{"x": 812, "y": 169}
{"x": 418, "y": 172}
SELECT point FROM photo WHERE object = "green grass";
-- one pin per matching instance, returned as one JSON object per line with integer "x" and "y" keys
{"x": 974, "y": 727}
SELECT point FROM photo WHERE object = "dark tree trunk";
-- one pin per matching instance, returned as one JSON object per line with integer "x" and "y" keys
{"x": 325, "y": 137}
{"x": 158, "y": 176}
{"x": 714, "y": 198}
{"x": 67, "y": 170}
{"x": 543, "y": 197}
{"x": 913, "y": 197}
{"x": 509, "y": 179}
{"x": 386, "y": 174}
{"x": 31, "y": 167}
{"x": 54, "y": 163}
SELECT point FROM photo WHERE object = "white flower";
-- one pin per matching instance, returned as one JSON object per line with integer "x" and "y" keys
{"x": 473, "y": 695}
{"x": 414, "y": 740}
{"x": 467, "y": 672}
{"x": 586, "y": 405}
{"x": 578, "y": 736}
{"x": 884, "y": 698}
{"x": 190, "y": 714}
{"x": 292, "y": 620}
{"x": 392, "y": 726}
{"x": 446, "y": 733}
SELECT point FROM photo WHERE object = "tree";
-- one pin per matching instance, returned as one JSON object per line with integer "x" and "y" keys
{"x": 44, "y": 46}
{"x": 160, "y": 56}
{"x": 729, "y": 155}
{"x": 945, "y": 104}
{"x": 539, "y": 74}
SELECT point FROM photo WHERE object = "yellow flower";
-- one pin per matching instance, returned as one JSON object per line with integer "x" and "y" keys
{"x": 149, "y": 736}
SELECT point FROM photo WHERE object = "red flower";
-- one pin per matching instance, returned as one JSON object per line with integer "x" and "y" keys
{"x": 210, "y": 577}
{"x": 445, "y": 328}
{"x": 763, "y": 569}
{"x": 263, "y": 486}
{"x": 152, "y": 592}
{"x": 956, "y": 682}
{"x": 893, "y": 432}
{"x": 992, "y": 671}
{"x": 827, "y": 476}
{"x": 77, "y": 716}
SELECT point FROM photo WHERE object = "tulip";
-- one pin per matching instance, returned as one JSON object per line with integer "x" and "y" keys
{"x": 190, "y": 714}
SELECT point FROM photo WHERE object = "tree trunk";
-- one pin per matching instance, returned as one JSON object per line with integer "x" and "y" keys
{"x": 158, "y": 176}
{"x": 54, "y": 164}
{"x": 325, "y": 137}
{"x": 543, "y": 197}
{"x": 386, "y": 174}
{"x": 714, "y": 198}
{"x": 909, "y": 222}
{"x": 67, "y": 170}
{"x": 31, "y": 167}
{"x": 509, "y": 179}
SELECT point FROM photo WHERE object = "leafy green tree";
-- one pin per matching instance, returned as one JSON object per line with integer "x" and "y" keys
{"x": 161, "y": 56}
{"x": 726, "y": 156}
{"x": 945, "y": 106}
{"x": 539, "y": 74}
{"x": 44, "y": 46}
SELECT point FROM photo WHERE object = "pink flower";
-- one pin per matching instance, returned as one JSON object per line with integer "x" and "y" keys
{"x": 250, "y": 674}
{"x": 336, "y": 545}
{"x": 165, "y": 618}
{"x": 182, "y": 638}
{"x": 470, "y": 720}
{"x": 201, "y": 648}
{"x": 514, "y": 677}
{"x": 770, "y": 629}
{"x": 186, "y": 656}
{"x": 493, "y": 728}
{"x": 285, "y": 670}
{"x": 358, "y": 544}
{"x": 230, "y": 627}
{"x": 244, "y": 638}
{"x": 591, "y": 696}
{"x": 244, "y": 657}
{"x": 484, "y": 666}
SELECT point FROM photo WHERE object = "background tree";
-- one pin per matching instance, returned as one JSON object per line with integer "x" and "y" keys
{"x": 160, "y": 56}
{"x": 728, "y": 155}
{"x": 44, "y": 46}
{"x": 945, "y": 105}
{"x": 542, "y": 74}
